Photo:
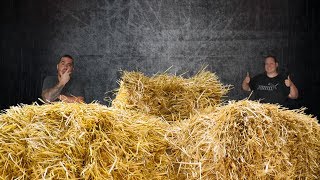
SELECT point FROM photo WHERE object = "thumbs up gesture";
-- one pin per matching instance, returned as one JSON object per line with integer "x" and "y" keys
{"x": 288, "y": 82}
{"x": 247, "y": 78}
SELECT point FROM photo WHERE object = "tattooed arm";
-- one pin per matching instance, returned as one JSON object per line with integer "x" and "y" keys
{"x": 51, "y": 94}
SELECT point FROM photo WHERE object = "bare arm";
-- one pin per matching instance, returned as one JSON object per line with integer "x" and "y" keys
{"x": 294, "y": 94}
{"x": 71, "y": 99}
{"x": 53, "y": 93}
{"x": 245, "y": 83}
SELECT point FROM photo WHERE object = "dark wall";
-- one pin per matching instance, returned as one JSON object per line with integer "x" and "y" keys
{"x": 229, "y": 37}
{"x": 23, "y": 45}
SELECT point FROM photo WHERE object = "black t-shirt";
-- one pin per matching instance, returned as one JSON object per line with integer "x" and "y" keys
{"x": 73, "y": 88}
{"x": 270, "y": 90}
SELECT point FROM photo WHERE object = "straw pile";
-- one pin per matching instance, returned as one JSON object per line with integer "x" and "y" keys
{"x": 169, "y": 96}
{"x": 43, "y": 141}
{"x": 81, "y": 141}
{"x": 239, "y": 140}
{"x": 247, "y": 140}
{"x": 130, "y": 147}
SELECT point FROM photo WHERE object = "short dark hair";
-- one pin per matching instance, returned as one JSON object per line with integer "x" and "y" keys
{"x": 273, "y": 57}
{"x": 67, "y": 56}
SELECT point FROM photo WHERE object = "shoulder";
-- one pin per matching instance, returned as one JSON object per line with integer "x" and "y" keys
{"x": 281, "y": 76}
{"x": 260, "y": 76}
{"x": 51, "y": 78}
{"x": 49, "y": 82}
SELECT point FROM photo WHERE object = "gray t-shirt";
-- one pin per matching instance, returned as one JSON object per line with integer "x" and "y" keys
{"x": 73, "y": 88}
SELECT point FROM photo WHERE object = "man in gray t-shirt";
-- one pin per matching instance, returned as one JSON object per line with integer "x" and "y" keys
{"x": 63, "y": 87}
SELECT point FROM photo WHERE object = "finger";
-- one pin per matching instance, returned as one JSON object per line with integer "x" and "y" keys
{"x": 248, "y": 74}
{"x": 67, "y": 72}
{"x": 288, "y": 77}
{"x": 69, "y": 69}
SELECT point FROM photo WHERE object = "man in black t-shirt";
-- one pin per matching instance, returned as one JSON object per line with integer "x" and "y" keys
{"x": 63, "y": 87}
{"x": 271, "y": 87}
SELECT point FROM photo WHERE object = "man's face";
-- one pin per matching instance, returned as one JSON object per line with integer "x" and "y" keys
{"x": 65, "y": 65}
{"x": 270, "y": 65}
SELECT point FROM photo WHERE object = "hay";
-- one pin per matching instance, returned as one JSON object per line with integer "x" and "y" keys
{"x": 169, "y": 96}
{"x": 51, "y": 140}
{"x": 130, "y": 147}
{"x": 81, "y": 141}
{"x": 239, "y": 140}
{"x": 247, "y": 140}
{"x": 191, "y": 145}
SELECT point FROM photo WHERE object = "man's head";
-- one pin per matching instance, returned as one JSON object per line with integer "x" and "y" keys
{"x": 271, "y": 64}
{"x": 65, "y": 65}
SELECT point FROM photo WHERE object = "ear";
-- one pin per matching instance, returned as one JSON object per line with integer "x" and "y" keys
{"x": 57, "y": 66}
{"x": 277, "y": 64}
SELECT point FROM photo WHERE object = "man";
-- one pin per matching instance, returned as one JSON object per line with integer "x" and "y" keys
{"x": 63, "y": 87}
{"x": 271, "y": 87}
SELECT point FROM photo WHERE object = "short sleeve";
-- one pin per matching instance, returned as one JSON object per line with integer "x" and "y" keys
{"x": 252, "y": 83}
{"x": 49, "y": 82}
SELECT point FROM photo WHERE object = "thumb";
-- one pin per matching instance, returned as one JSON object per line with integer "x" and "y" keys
{"x": 248, "y": 74}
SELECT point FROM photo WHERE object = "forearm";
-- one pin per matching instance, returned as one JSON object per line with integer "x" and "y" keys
{"x": 293, "y": 92}
{"x": 71, "y": 99}
{"x": 245, "y": 86}
{"x": 52, "y": 94}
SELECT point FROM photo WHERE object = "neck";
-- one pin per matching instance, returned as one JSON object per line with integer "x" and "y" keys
{"x": 272, "y": 74}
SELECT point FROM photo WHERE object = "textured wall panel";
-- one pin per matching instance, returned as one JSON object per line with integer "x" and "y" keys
{"x": 229, "y": 37}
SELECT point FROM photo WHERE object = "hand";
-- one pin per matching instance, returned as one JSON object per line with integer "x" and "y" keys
{"x": 71, "y": 99}
{"x": 63, "y": 98}
{"x": 247, "y": 78}
{"x": 288, "y": 82}
{"x": 65, "y": 77}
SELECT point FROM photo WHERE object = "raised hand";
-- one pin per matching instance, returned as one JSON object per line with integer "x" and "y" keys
{"x": 288, "y": 82}
{"x": 65, "y": 77}
{"x": 247, "y": 78}
{"x": 245, "y": 83}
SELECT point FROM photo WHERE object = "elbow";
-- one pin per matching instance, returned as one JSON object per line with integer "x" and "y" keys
{"x": 294, "y": 96}
{"x": 246, "y": 88}
{"x": 45, "y": 97}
